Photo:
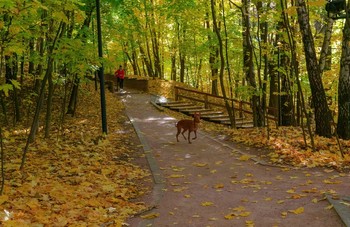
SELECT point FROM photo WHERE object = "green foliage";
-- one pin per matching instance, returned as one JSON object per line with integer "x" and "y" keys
{"x": 6, "y": 88}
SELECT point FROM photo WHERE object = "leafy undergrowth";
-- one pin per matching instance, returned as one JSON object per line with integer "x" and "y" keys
{"x": 285, "y": 145}
{"x": 76, "y": 176}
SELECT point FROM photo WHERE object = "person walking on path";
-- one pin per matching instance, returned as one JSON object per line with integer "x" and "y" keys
{"x": 120, "y": 74}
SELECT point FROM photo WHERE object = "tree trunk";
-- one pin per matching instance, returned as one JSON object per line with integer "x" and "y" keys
{"x": 326, "y": 47}
{"x": 173, "y": 67}
{"x": 213, "y": 56}
{"x": 73, "y": 97}
{"x": 248, "y": 66}
{"x": 343, "y": 126}
{"x": 322, "y": 114}
{"x": 4, "y": 109}
{"x": 230, "y": 82}
{"x": 132, "y": 58}
{"x": 11, "y": 74}
{"x": 49, "y": 105}
{"x": 222, "y": 64}
{"x": 182, "y": 68}
{"x": 146, "y": 62}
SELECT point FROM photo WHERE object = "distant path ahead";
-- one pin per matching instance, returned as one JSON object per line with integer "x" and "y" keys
{"x": 210, "y": 182}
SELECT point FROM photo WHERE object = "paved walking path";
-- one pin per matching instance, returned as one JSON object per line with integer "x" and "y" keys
{"x": 211, "y": 183}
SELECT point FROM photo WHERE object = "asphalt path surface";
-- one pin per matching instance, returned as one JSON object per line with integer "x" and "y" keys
{"x": 214, "y": 182}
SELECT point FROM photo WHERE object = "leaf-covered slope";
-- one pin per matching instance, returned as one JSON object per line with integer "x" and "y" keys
{"x": 77, "y": 176}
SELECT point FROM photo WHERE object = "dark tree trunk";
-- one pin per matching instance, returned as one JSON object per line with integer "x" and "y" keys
{"x": 222, "y": 64}
{"x": 147, "y": 63}
{"x": 31, "y": 55}
{"x": 343, "y": 126}
{"x": 213, "y": 56}
{"x": 182, "y": 68}
{"x": 323, "y": 116}
{"x": 11, "y": 74}
{"x": 248, "y": 65}
{"x": 173, "y": 67}
{"x": 73, "y": 97}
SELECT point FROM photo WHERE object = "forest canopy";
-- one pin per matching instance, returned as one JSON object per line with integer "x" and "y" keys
{"x": 287, "y": 58}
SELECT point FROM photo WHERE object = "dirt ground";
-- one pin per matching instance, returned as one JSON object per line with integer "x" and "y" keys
{"x": 213, "y": 182}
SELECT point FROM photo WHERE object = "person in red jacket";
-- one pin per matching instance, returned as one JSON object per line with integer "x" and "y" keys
{"x": 120, "y": 74}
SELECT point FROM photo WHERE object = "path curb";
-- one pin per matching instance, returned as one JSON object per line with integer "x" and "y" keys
{"x": 158, "y": 178}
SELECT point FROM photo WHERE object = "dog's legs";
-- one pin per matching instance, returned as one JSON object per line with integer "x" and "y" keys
{"x": 184, "y": 134}
{"x": 189, "y": 136}
{"x": 195, "y": 135}
{"x": 178, "y": 133}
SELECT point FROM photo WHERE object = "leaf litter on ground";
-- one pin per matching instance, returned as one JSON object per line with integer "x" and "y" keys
{"x": 285, "y": 145}
{"x": 76, "y": 176}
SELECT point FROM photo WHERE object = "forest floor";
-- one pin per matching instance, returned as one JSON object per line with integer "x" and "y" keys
{"x": 77, "y": 177}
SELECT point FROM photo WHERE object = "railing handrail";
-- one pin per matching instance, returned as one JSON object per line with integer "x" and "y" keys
{"x": 206, "y": 102}
{"x": 211, "y": 95}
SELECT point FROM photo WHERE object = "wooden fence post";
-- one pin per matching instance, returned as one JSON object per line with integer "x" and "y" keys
{"x": 176, "y": 94}
{"x": 240, "y": 109}
{"x": 206, "y": 105}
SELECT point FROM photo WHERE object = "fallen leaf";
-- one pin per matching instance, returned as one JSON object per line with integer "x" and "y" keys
{"x": 176, "y": 176}
{"x": 3, "y": 198}
{"x": 345, "y": 203}
{"x": 217, "y": 186}
{"x": 299, "y": 210}
{"x": 199, "y": 164}
{"x": 291, "y": 191}
{"x": 244, "y": 214}
{"x": 249, "y": 223}
{"x": 332, "y": 182}
{"x": 240, "y": 208}
{"x": 328, "y": 170}
{"x": 244, "y": 157}
{"x": 296, "y": 196}
{"x": 150, "y": 216}
{"x": 230, "y": 216}
{"x": 284, "y": 214}
{"x": 206, "y": 204}
{"x": 329, "y": 207}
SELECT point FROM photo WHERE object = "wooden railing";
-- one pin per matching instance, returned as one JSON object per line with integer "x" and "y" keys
{"x": 210, "y": 101}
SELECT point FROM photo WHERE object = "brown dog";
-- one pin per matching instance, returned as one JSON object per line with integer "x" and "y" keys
{"x": 188, "y": 125}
